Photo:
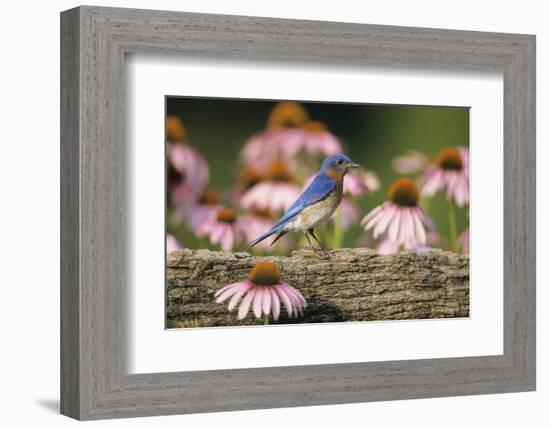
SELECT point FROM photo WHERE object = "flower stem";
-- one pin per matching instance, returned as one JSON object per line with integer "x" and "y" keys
{"x": 266, "y": 319}
{"x": 452, "y": 227}
{"x": 425, "y": 203}
{"x": 337, "y": 242}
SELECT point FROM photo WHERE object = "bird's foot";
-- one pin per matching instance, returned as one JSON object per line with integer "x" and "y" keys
{"x": 322, "y": 251}
{"x": 317, "y": 249}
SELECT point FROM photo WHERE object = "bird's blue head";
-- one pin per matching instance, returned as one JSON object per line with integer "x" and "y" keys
{"x": 338, "y": 164}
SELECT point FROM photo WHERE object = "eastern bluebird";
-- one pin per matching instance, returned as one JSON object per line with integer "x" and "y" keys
{"x": 317, "y": 203}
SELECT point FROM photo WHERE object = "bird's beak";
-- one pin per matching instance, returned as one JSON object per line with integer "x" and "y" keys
{"x": 353, "y": 165}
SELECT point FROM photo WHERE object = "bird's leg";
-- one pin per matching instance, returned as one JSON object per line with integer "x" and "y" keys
{"x": 309, "y": 241}
{"x": 310, "y": 231}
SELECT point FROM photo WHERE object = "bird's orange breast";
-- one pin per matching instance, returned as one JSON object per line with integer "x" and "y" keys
{"x": 335, "y": 175}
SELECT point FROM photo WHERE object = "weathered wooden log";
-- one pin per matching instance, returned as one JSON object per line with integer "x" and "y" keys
{"x": 350, "y": 285}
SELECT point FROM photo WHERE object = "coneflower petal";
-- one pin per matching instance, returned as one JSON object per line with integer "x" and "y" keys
{"x": 461, "y": 191}
{"x": 238, "y": 295}
{"x": 407, "y": 225}
{"x": 257, "y": 302}
{"x": 284, "y": 298}
{"x": 217, "y": 234}
{"x": 225, "y": 288}
{"x": 291, "y": 296}
{"x": 228, "y": 292}
{"x": 432, "y": 182}
{"x": 228, "y": 239}
{"x": 275, "y": 304}
{"x": 393, "y": 231}
{"x": 452, "y": 179}
{"x": 371, "y": 214}
{"x": 387, "y": 247}
{"x": 466, "y": 189}
{"x": 384, "y": 221}
{"x": 296, "y": 292}
{"x": 294, "y": 300}
{"x": 245, "y": 304}
{"x": 420, "y": 234}
{"x": 375, "y": 218}
{"x": 266, "y": 302}
{"x": 426, "y": 219}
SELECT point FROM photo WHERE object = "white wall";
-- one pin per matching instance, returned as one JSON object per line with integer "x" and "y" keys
{"x": 29, "y": 226}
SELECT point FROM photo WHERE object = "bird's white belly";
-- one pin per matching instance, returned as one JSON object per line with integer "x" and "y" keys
{"x": 315, "y": 214}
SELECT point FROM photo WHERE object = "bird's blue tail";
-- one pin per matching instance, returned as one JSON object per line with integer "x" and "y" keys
{"x": 276, "y": 228}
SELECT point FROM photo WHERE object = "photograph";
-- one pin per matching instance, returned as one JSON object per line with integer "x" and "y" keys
{"x": 271, "y": 178}
{"x": 299, "y": 214}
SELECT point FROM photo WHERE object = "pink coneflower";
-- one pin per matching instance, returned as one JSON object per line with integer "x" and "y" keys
{"x": 464, "y": 240}
{"x": 274, "y": 194}
{"x": 172, "y": 244}
{"x": 282, "y": 128}
{"x": 401, "y": 216}
{"x": 224, "y": 229}
{"x": 316, "y": 139}
{"x": 356, "y": 183}
{"x": 313, "y": 138}
{"x": 254, "y": 224}
{"x": 450, "y": 173}
{"x": 188, "y": 174}
{"x": 287, "y": 114}
{"x": 175, "y": 131}
{"x": 348, "y": 213}
{"x": 263, "y": 292}
{"x": 188, "y": 171}
{"x": 198, "y": 210}
{"x": 269, "y": 145}
{"x": 388, "y": 247}
{"x": 412, "y": 162}
{"x": 250, "y": 176}
{"x": 290, "y": 132}
{"x": 359, "y": 182}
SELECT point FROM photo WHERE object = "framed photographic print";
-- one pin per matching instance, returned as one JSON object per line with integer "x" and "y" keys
{"x": 258, "y": 193}
{"x": 262, "y": 213}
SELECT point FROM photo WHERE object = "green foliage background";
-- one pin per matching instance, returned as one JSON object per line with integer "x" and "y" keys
{"x": 372, "y": 134}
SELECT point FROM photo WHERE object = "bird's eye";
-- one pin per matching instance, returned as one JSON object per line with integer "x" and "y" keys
{"x": 339, "y": 161}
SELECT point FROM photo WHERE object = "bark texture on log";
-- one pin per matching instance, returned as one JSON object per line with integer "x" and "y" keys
{"x": 351, "y": 285}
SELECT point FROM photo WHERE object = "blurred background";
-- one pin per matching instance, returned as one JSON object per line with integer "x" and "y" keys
{"x": 372, "y": 135}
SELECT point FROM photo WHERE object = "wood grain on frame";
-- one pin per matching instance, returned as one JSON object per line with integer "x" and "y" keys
{"x": 94, "y": 269}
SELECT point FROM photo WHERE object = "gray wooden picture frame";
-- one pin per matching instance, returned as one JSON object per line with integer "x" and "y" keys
{"x": 94, "y": 42}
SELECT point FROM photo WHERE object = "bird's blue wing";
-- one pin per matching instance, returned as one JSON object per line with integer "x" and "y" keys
{"x": 319, "y": 188}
